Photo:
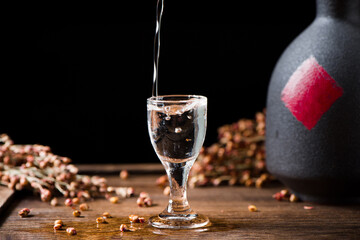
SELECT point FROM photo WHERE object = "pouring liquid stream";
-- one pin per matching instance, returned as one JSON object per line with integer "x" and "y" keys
{"x": 159, "y": 13}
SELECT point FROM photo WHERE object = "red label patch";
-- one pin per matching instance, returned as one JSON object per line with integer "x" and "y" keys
{"x": 310, "y": 92}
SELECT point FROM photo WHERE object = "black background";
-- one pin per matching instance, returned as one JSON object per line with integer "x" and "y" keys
{"x": 82, "y": 88}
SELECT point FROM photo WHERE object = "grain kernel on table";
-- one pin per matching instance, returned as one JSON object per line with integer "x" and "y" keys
{"x": 100, "y": 220}
{"x": 84, "y": 207}
{"x": 71, "y": 231}
{"x": 308, "y": 207}
{"x": 24, "y": 212}
{"x": 123, "y": 228}
{"x": 252, "y": 208}
{"x": 76, "y": 213}
{"x": 57, "y": 226}
{"x": 106, "y": 215}
{"x": 114, "y": 199}
{"x": 58, "y": 222}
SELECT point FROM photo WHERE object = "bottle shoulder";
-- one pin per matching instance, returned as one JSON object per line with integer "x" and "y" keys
{"x": 329, "y": 40}
{"x": 334, "y": 43}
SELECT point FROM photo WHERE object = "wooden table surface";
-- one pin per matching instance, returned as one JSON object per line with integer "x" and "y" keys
{"x": 226, "y": 207}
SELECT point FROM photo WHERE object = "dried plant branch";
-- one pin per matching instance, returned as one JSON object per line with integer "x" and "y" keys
{"x": 36, "y": 168}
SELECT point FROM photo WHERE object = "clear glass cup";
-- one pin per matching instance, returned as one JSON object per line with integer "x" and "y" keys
{"x": 177, "y": 126}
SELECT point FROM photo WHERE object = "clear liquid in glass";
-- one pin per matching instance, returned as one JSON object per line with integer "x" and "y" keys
{"x": 177, "y": 132}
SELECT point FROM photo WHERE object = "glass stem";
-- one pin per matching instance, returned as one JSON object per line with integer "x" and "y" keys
{"x": 178, "y": 176}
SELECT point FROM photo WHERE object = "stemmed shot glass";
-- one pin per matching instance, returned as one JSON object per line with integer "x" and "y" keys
{"x": 177, "y": 126}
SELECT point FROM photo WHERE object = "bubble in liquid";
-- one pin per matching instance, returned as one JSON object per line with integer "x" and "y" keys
{"x": 167, "y": 109}
{"x": 189, "y": 116}
{"x": 178, "y": 130}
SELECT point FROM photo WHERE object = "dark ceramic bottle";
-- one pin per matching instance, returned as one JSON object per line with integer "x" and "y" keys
{"x": 313, "y": 108}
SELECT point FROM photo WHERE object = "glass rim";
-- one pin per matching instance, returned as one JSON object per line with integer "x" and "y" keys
{"x": 186, "y": 98}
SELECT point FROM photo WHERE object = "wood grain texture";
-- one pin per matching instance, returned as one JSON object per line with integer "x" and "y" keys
{"x": 225, "y": 206}
{"x": 140, "y": 168}
{"x": 6, "y": 195}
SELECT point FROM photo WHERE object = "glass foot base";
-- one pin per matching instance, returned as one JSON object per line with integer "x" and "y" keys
{"x": 179, "y": 223}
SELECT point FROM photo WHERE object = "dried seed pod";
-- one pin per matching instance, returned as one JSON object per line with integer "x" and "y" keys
{"x": 252, "y": 208}
{"x": 162, "y": 181}
{"x": 140, "y": 202}
{"x": 114, "y": 199}
{"x": 100, "y": 220}
{"x": 5, "y": 178}
{"x": 130, "y": 192}
{"x": 293, "y": 198}
{"x": 124, "y": 192}
{"x": 277, "y": 196}
{"x": 147, "y": 202}
{"x": 144, "y": 195}
{"x": 123, "y": 228}
{"x": 110, "y": 189}
{"x": 84, "y": 207}
{"x": 124, "y": 174}
{"x": 76, "y": 200}
{"x": 66, "y": 160}
{"x": 220, "y": 180}
{"x": 166, "y": 191}
{"x": 73, "y": 186}
{"x": 19, "y": 187}
{"x": 285, "y": 194}
{"x": 24, "y": 212}
{"x": 265, "y": 176}
{"x": 76, "y": 213}
{"x": 68, "y": 202}
{"x": 54, "y": 202}
{"x": 259, "y": 183}
{"x": 58, "y": 222}
{"x": 249, "y": 182}
{"x": 134, "y": 218}
{"x": 84, "y": 194}
{"x": 72, "y": 194}
{"x": 57, "y": 226}
{"x": 233, "y": 181}
{"x": 23, "y": 181}
{"x": 71, "y": 231}
{"x": 45, "y": 195}
{"x": 106, "y": 215}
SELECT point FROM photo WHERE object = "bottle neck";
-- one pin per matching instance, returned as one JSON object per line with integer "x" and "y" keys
{"x": 348, "y": 10}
